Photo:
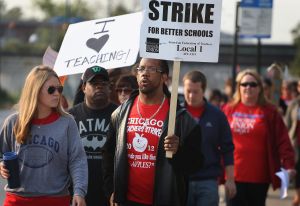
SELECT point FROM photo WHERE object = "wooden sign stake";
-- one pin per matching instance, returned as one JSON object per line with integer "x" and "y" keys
{"x": 173, "y": 104}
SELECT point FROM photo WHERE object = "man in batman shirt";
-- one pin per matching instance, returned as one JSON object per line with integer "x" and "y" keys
{"x": 92, "y": 117}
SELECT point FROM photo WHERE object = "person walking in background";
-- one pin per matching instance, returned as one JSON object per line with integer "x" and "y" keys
{"x": 48, "y": 145}
{"x": 292, "y": 120}
{"x": 92, "y": 117}
{"x": 289, "y": 91}
{"x": 216, "y": 144}
{"x": 79, "y": 95}
{"x": 136, "y": 170}
{"x": 216, "y": 98}
{"x": 261, "y": 141}
{"x": 228, "y": 90}
{"x": 269, "y": 93}
{"x": 124, "y": 86}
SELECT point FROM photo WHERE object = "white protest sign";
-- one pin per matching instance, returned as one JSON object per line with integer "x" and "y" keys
{"x": 49, "y": 57}
{"x": 188, "y": 30}
{"x": 112, "y": 42}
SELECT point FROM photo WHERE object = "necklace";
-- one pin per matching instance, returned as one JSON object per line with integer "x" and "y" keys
{"x": 155, "y": 113}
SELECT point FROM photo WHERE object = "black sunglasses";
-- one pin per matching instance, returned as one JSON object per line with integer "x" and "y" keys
{"x": 125, "y": 90}
{"x": 250, "y": 84}
{"x": 52, "y": 89}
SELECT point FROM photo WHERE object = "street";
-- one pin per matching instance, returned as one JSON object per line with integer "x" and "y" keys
{"x": 273, "y": 197}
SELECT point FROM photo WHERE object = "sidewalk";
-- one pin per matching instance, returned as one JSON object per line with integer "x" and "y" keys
{"x": 272, "y": 200}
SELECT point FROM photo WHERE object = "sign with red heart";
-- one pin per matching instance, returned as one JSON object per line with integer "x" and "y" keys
{"x": 108, "y": 43}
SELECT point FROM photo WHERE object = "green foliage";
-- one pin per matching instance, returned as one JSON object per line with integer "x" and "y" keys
{"x": 2, "y": 7}
{"x": 13, "y": 14}
{"x": 16, "y": 46}
{"x": 48, "y": 8}
{"x": 77, "y": 8}
{"x": 296, "y": 34}
{"x": 295, "y": 66}
{"x": 6, "y": 99}
{"x": 119, "y": 10}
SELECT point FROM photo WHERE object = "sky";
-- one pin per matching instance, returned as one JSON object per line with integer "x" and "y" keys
{"x": 286, "y": 15}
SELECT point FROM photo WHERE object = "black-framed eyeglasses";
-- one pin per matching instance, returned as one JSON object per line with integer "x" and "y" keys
{"x": 52, "y": 89}
{"x": 250, "y": 84}
{"x": 126, "y": 90}
{"x": 149, "y": 69}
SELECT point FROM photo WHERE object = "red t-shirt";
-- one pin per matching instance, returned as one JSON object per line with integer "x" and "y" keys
{"x": 52, "y": 117}
{"x": 142, "y": 143}
{"x": 196, "y": 112}
{"x": 248, "y": 127}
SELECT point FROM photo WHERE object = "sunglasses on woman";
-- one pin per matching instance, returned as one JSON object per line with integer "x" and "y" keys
{"x": 250, "y": 84}
{"x": 52, "y": 89}
{"x": 125, "y": 90}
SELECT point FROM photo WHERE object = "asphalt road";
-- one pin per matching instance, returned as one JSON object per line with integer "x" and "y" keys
{"x": 273, "y": 196}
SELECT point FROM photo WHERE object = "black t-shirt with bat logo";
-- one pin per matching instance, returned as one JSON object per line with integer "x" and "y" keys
{"x": 93, "y": 126}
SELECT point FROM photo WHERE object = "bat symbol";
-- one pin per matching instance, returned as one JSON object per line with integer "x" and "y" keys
{"x": 94, "y": 142}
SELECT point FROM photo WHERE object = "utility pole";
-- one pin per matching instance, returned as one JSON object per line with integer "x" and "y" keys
{"x": 235, "y": 45}
{"x": 258, "y": 63}
{"x": 67, "y": 11}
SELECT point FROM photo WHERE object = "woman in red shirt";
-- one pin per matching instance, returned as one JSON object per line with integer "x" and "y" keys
{"x": 261, "y": 141}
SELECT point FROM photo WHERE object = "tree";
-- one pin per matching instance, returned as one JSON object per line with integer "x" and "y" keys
{"x": 295, "y": 66}
{"x": 14, "y": 13}
{"x": 2, "y": 7}
{"x": 55, "y": 12}
{"x": 78, "y": 8}
{"x": 119, "y": 10}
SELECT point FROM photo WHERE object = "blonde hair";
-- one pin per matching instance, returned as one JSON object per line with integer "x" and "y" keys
{"x": 29, "y": 100}
{"x": 237, "y": 95}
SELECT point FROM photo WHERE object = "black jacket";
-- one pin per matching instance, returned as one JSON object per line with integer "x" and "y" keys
{"x": 170, "y": 174}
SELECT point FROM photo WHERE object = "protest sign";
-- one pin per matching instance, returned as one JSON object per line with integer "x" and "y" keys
{"x": 181, "y": 29}
{"x": 111, "y": 42}
{"x": 49, "y": 59}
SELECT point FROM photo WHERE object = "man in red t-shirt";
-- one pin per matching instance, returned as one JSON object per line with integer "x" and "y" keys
{"x": 136, "y": 170}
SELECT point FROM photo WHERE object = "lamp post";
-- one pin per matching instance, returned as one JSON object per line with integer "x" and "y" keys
{"x": 235, "y": 45}
{"x": 67, "y": 10}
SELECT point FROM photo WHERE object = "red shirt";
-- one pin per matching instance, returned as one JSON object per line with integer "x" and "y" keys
{"x": 142, "y": 143}
{"x": 196, "y": 112}
{"x": 52, "y": 117}
{"x": 12, "y": 200}
{"x": 248, "y": 127}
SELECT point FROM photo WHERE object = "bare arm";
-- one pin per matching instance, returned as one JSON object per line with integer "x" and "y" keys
{"x": 230, "y": 187}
